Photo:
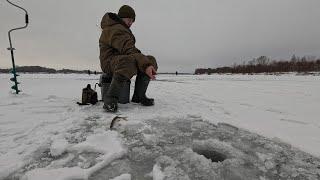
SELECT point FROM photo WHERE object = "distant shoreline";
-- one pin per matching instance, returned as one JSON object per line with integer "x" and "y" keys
{"x": 209, "y": 71}
{"x": 190, "y": 74}
{"x": 40, "y": 69}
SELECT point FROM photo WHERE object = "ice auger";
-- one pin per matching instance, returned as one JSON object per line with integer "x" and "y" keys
{"x": 13, "y": 71}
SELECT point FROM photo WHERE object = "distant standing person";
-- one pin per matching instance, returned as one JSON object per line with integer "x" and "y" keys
{"x": 120, "y": 57}
{"x": 176, "y": 73}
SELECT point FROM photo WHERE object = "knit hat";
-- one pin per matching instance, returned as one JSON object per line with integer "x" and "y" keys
{"x": 127, "y": 12}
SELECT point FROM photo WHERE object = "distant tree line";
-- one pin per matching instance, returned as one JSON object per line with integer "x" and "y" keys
{"x": 263, "y": 64}
{"x": 39, "y": 69}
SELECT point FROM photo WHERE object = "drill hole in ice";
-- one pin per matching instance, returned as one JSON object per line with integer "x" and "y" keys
{"x": 211, "y": 154}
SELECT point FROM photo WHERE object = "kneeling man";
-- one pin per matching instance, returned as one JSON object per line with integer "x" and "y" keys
{"x": 120, "y": 57}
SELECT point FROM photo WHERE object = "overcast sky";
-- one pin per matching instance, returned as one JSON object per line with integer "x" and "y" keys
{"x": 181, "y": 34}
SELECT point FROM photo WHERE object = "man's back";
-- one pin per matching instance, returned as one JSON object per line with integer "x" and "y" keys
{"x": 116, "y": 39}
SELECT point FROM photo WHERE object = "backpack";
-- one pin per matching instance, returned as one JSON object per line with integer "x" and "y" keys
{"x": 89, "y": 96}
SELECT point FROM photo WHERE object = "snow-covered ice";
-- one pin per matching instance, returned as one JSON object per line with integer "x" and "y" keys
{"x": 190, "y": 148}
{"x": 58, "y": 147}
{"x": 122, "y": 177}
{"x": 44, "y": 134}
{"x": 157, "y": 174}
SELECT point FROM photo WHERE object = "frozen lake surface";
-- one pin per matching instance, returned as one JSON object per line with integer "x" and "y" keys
{"x": 186, "y": 135}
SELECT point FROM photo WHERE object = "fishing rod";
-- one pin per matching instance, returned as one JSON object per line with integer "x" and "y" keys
{"x": 13, "y": 71}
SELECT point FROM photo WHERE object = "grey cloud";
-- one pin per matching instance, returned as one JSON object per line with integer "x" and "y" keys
{"x": 183, "y": 35}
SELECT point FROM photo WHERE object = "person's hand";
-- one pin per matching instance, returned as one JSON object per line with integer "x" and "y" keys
{"x": 151, "y": 72}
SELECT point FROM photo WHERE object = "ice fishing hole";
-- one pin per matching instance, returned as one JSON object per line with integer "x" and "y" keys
{"x": 213, "y": 155}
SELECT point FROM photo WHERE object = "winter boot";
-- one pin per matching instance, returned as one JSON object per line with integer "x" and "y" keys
{"x": 112, "y": 96}
{"x": 141, "y": 85}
